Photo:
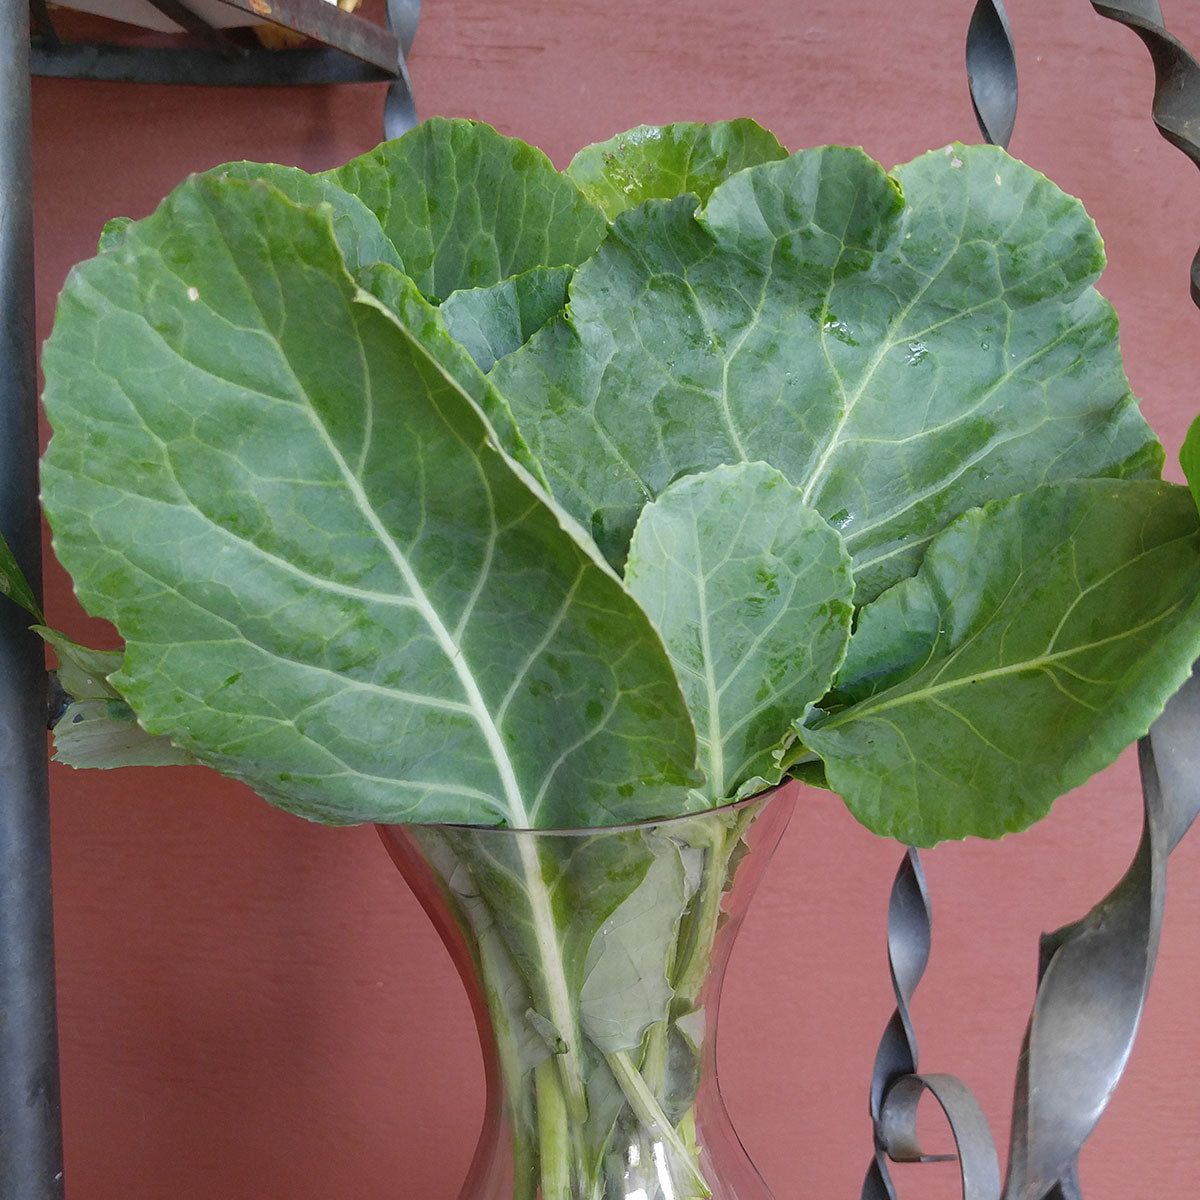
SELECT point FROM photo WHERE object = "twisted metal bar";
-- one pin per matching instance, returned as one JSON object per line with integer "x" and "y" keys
{"x": 1176, "y": 106}
{"x": 1093, "y": 975}
{"x": 992, "y": 72}
{"x": 909, "y": 930}
{"x": 896, "y": 1086}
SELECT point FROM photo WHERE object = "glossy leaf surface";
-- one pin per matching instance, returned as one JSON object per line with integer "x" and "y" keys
{"x": 660, "y": 161}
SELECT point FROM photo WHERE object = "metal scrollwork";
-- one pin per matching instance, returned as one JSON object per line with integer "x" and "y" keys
{"x": 1092, "y": 983}
{"x": 896, "y": 1086}
{"x": 1093, "y": 975}
{"x": 1176, "y": 106}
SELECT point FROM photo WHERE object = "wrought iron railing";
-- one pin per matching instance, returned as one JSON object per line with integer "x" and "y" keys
{"x": 1093, "y": 975}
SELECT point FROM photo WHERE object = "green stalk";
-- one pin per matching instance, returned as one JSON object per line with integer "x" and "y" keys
{"x": 521, "y": 1122}
{"x": 557, "y": 1108}
{"x": 562, "y": 1014}
{"x": 654, "y": 1057}
{"x": 554, "y": 1138}
{"x": 697, "y": 939}
{"x": 686, "y": 974}
{"x": 647, "y": 1109}
{"x": 525, "y": 1167}
{"x": 696, "y": 943}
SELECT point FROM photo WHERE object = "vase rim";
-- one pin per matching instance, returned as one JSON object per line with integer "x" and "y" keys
{"x": 590, "y": 830}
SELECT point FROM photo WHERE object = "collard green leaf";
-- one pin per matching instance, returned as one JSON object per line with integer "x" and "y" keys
{"x": 901, "y": 349}
{"x": 752, "y": 593}
{"x": 356, "y": 227}
{"x": 465, "y": 207}
{"x": 1040, "y": 637}
{"x": 655, "y": 162}
{"x": 331, "y": 581}
{"x": 494, "y": 321}
{"x": 13, "y": 583}
{"x": 1189, "y": 459}
{"x": 625, "y": 988}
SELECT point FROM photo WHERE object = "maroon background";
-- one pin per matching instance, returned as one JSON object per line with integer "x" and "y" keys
{"x": 253, "y": 1008}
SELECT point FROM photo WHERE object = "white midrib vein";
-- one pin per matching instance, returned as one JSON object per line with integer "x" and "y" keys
{"x": 716, "y": 750}
{"x": 536, "y": 890}
{"x": 558, "y": 995}
{"x": 561, "y": 1014}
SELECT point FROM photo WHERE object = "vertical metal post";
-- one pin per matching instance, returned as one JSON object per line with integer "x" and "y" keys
{"x": 30, "y": 1125}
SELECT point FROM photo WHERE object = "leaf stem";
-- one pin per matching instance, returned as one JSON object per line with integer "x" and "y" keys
{"x": 697, "y": 939}
{"x": 562, "y": 1014}
{"x": 647, "y": 1109}
{"x": 553, "y": 1137}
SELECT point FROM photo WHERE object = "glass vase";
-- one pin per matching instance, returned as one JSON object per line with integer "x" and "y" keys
{"x": 594, "y": 960}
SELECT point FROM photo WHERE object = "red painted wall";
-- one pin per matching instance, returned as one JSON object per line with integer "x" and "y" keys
{"x": 253, "y": 1008}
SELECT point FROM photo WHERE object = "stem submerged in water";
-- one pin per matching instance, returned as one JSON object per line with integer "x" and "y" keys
{"x": 554, "y": 1140}
{"x": 645, "y": 1105}
{"x": 592, "y": 951}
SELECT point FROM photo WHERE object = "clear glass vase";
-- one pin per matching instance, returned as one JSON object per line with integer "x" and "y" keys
{"x": 594, "y": 959}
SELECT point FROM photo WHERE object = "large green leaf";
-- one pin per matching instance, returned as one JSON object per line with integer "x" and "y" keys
{"x": 661, "y": 161}
{"x": 901, "y": 349}
{"x": 331, "y": 581}
{"x": 752, "y": 593}
{"x": 1039, "y": 638}
{"x": 465, "y": 207}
